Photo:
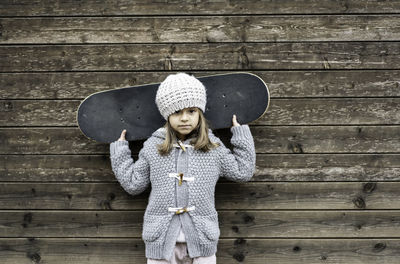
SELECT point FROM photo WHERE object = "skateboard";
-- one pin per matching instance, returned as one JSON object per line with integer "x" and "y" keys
{"x": 103, "y": 115}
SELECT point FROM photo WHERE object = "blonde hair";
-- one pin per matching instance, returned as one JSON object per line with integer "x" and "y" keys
{"x": 201, "y": 141}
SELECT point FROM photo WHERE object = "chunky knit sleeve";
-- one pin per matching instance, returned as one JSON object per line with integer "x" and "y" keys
{"x": 239, "y": 166}
{"x": 134, "y": 177}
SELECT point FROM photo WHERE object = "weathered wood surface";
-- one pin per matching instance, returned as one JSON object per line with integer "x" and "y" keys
{"x": 241, "y": 250}
{"x": 189, "y": 7}
{"x": 233, "y": 224}
{"x": 251, "y": 195}
{"x": 269, "y": 167}
{"x": 326, "y": 185}
{"x": 267, "y": 139}
{"x": 199, "y": 56}
{"x": 321, "y": 111}
{"x": 281, "y": 84}
{"x": 199, "y": 29}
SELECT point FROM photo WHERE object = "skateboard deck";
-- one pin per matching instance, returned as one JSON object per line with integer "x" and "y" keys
{"x": 103, "y": 115}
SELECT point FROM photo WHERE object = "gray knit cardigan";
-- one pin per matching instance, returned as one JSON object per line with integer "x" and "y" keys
{"x": 201, "y": 171}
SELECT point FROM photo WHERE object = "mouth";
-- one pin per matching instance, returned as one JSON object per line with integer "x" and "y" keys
{"x": 184, "y": 126}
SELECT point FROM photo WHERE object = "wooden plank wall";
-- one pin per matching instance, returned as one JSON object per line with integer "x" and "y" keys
{"x": 326, "y": 188}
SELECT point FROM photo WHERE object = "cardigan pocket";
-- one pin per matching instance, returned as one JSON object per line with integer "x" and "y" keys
{"x": 154, "y": 226}
{"x": 207, "y": 227}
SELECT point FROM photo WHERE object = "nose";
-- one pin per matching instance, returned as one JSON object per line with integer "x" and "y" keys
{"x": 184, "y": 116}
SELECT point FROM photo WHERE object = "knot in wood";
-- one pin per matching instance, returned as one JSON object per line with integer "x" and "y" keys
{"x": 379, "y": 247}
{"x": 369, "y": 187}
{"x": 359, "y": 202}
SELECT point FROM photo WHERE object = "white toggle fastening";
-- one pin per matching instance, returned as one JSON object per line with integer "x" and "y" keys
{"x": 185, "y": 145}
{"x": 176, "y": 175}
{"x": 180, "y": 210}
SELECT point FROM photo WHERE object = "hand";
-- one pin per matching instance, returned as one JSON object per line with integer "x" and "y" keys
{"x": 234, "y": 122}
{"x": 122, "y": 138}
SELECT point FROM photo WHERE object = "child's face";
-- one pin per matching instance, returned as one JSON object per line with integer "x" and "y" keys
{"x": 184, "y": 121}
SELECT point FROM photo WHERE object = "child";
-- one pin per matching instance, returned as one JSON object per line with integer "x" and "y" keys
{"x": 183, "y": 165}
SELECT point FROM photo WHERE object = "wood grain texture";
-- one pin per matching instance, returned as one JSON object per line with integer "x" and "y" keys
{"x": 206, "y": 29}
{"x": 230, "y": 250}
{"x": 251, "y": 195}
{"x": 269, "y": 168}
{"x": 246, "y": 224}
{"x": 326, "y": 184}
{"x": 281, "y": 84}
{"x": 268, "y": 139}
{"x": 188, "y": 7}
{"x": 195, "y": 56}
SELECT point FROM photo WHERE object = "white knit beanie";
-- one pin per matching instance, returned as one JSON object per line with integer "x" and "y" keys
{"x": 179, "y": 91}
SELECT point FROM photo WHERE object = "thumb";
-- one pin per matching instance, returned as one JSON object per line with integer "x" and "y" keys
{"x": 122, "y": 137}
{"x": 234, "y": 121}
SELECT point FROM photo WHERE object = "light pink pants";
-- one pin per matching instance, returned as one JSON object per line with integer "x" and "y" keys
{"x": 181, "y": 256}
